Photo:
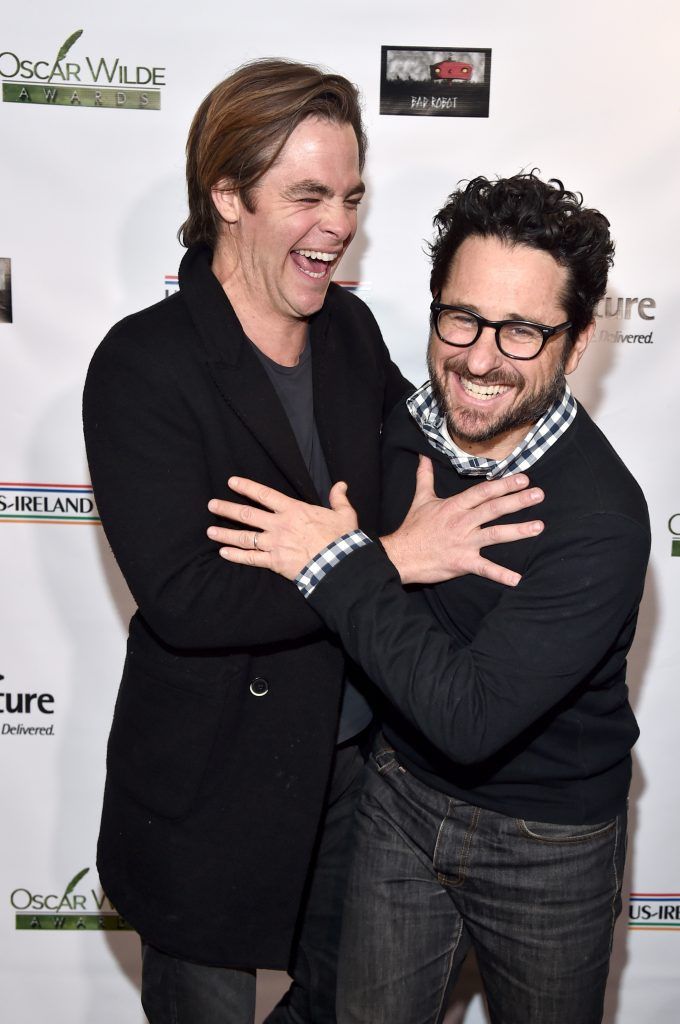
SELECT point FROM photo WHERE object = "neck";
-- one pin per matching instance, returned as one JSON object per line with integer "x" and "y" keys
{"x": 281, "y": 339}
{"x": 496, "y": 448}
{"x": 284, "y": 349}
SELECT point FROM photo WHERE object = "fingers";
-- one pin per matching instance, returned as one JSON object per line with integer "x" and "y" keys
{"x": 263, "y": 560}
{"x": 482, "y": 493}
{"x": 269, "y": 498}
{"x": 499, "y": 507}
{"x": 505, "y": 534}
{"x": 259, "y": 559}
{"x": 497, "y": 573}
{"x": 246, "y": 539}
{"x": 337, "y": 497}
{"x": 494, "y": 507}
{"x": 254, "y": 517}
{"x": 424, "y": 481}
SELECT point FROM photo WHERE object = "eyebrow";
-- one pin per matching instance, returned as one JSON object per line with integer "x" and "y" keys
{"x": 519, "y": 317}
{"x": 311, "y": 187}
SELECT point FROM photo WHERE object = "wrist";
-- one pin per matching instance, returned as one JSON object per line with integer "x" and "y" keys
{"x": 322, "y": 563}
{"x": 395, "y": 550}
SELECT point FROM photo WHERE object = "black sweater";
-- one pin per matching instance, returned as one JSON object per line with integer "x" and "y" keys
{"x": 510, "y": 698}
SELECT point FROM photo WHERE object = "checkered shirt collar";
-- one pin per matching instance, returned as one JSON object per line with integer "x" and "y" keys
{"x": 424, "y": 409}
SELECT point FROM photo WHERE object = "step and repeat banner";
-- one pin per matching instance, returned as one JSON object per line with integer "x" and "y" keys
{"x": 95, "y": 107}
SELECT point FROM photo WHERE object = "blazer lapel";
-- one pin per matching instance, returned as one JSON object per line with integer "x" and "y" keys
{"x": 237, "y": 372}
{"x": 340, "y": 402}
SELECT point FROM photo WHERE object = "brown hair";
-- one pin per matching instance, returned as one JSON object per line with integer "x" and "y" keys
{"x": 243, "y": 124}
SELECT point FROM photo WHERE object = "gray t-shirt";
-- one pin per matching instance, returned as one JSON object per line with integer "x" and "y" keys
{"x": 293, "y": 385}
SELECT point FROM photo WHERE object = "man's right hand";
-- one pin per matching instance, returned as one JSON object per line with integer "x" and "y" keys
{"x": 441, "y": 538}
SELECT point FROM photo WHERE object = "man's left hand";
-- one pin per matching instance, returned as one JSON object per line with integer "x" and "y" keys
{"x": 442, "y": 538}
{"x": 284, "y": 534}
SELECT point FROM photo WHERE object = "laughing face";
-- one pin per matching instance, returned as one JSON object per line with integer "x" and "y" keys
{"x": 491, "y": 401}
{"x": 276, "y": 263}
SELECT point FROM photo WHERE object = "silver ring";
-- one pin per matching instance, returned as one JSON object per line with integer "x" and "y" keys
{"x": 255, "y": 541}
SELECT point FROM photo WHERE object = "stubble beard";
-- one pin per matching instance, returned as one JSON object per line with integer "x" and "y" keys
{"x": 472, "y": 425}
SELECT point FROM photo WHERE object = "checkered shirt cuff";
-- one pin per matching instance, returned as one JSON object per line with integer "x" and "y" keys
{"x": 309, "y": 578}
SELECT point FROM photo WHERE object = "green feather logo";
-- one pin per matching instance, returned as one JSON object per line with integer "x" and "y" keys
{"x": 81, "y": 874}
{"x": 64, "y": 50}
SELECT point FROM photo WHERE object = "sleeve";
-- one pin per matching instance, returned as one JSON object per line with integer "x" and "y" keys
{"x": 309, "y": 577}
{"x": 574, "y": 609}
{"x": 145, "y": 443}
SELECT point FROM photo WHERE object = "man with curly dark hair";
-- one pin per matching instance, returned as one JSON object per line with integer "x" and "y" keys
{"x": 493, "y": 815}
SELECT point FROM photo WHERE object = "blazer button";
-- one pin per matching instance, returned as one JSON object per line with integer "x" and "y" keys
{"x": 259, "y": 687}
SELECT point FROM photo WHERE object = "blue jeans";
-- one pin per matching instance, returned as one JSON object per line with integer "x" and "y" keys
{"x": 176, "y": 991}
{"x": 433, "y": 876}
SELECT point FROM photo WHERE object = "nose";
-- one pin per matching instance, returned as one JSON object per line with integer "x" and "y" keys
{"x": 484, "y": 354}
{"x": 339, "y": 220}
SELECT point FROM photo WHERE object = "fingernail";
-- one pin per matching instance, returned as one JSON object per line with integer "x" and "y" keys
{"x": 212, "y": 505}
{"x": 212, "y": 532}
{"x": 536, "y": 527}
{"x": 536, "y": 494}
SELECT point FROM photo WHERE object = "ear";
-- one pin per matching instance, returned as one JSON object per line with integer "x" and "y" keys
{"x": 579, "y": 347}
{"x": 227, "y": 202}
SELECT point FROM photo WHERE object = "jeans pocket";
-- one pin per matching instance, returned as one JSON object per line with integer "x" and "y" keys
{"x": 383, "y": 758}
{"x": 549, "y": 832}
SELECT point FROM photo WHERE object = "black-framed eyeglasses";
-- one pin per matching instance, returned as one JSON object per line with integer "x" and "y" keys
{"x": 516, "y": 339}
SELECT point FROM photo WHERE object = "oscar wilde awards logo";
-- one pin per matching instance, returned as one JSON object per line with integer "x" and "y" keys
{"x": 68, "y": 80}
{"x": 625, "y": 320}
{"x": 654, "y": 911}
{"x": 18, "y": 705}
{"x": 70, "y": 504}
{"x": 69, "y": 910}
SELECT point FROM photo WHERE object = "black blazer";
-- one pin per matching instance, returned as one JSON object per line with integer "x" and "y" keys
{"x": 213, "y": 793}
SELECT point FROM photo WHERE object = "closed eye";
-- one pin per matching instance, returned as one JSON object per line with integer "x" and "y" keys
{"x": 458, "y": 318}
{"x": 523, "y": 332}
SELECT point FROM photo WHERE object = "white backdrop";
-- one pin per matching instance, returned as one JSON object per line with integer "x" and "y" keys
{"x": 90, "y": 200}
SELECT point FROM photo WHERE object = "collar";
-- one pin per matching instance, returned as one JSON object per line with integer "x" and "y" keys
{"x": 424, "y": 409}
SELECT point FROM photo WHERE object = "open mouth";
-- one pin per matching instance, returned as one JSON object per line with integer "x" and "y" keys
{"x": 484, "y": 392}
{"x": 314, "y": 263}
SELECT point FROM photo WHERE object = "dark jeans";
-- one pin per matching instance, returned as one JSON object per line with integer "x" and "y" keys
{"x": 432, "y": 876}
{"x": 178, "y": 992}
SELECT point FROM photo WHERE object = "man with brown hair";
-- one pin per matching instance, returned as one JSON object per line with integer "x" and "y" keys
{"x": 235, "y": 750}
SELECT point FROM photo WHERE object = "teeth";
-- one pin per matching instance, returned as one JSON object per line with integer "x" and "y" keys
{"x": 313, "y": 254}
{"x": 483, "y": 391}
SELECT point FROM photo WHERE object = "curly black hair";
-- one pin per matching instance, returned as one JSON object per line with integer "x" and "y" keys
{"x": 524, "y": 210}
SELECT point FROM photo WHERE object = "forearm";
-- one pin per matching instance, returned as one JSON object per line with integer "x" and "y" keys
{"x": 573, "y": 613}
{"x": 438, "y": 685}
